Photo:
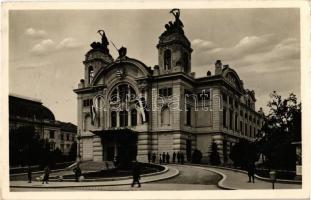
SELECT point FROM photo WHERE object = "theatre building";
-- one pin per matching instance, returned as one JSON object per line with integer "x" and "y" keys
{"x": 128, "y": 108}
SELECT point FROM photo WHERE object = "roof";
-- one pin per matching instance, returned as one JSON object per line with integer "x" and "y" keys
{"x": 67, "y": 126}
{"x": 28, "y": 108}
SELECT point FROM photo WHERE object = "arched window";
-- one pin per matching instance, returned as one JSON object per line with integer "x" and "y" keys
{"x": 91, "y": 74}
{"x": 165, "y": 116}
{"x": 167, "y": 59}
{"x": 122, "y": 91}
{"x": 113, "y": 119}
{"x": 186, "y": 62}
{"x": 123, "y": 118}
{"x": 134, "y": 117}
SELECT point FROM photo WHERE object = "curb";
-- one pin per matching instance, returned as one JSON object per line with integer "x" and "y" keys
{"x": 220, "y": 183}
{"x": 111, "y": 178}
{"x": 98, "y": 185}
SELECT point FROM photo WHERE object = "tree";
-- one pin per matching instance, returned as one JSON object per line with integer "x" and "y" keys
{"x": 25, "y": 146}
{"x": 282, "y": 126}
{"x": 214, "y": 157}
{"x": 73, "y": 151}
{"x": 196, "y": 156}
{"x": 244, "y": 152}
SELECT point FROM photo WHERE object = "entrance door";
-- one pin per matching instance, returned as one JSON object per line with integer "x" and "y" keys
{"x": 110, "y": 153}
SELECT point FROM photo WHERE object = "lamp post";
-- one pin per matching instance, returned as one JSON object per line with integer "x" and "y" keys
{"x": 272, "y": 178}
{"x": 78, "y": 146}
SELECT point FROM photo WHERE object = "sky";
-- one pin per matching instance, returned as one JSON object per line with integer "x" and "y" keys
{"x": 47, "y": 48}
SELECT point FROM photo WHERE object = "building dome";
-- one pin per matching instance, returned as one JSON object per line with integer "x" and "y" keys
{"x": 27, "y": 108}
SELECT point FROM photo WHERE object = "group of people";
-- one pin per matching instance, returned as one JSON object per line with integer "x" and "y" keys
{"x": 46, "y": 174}
{"x": 45, "y": 177}
{"x": 165, "y": 157}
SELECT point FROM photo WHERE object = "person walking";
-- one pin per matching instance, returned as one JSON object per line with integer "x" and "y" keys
{"x": 46, "y": 175}
{"x": 149, "y": 157}
{"x": 167, "y": 158}
{"x": 136, "y": 174}
{"x": 163, "y": 157}
{"x": 154, "y": 157}
{"x": 251, "y": 171}
{"x": 77, "y": 171}
{"x": 174, "y": 157}
{"x": 160, "y": 159}
{"x": 182, "y": 158}
{"x": 178, "y": 157}
{"x": 29, "y": 173}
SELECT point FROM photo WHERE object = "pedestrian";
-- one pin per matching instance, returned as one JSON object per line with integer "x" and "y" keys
{"x": 29, "y": 173}
{"x": 77, "y": 171}
{"x": 174, "y": 157}
{"x": 136, "y": 174}
{"x": 163, "y": 157}
{"x": 182, "y": 158}
{"x": 107, "y": 165}
{"x": 46, "y": 175}
{"x": 251, "y": 171}
{"x": 154, "y": 156}
{"x": 149, "y": 157}
{"x": 160, "y": 159}
{"x": 167, "y": 158}
{"x": 178, "y": 157}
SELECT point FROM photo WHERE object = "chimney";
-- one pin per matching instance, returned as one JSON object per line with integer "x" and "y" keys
{"x": 218, "y": 67}
{"x": 192, "y": 74}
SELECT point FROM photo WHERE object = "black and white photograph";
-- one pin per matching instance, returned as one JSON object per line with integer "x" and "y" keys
{"x": 174, "y": 98}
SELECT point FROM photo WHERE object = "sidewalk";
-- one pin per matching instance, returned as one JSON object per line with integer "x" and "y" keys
{"x": 238, "y": 180}
{"x": 172, "y": 172}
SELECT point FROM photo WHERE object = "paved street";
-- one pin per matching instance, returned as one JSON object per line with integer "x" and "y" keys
{"x": 189, "y": 178}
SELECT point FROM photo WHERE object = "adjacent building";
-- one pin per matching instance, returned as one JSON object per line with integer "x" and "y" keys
{"x": 25, "y": 111}
{"x": 128, "y": 108}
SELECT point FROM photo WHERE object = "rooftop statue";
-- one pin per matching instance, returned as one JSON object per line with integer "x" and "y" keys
{"x": 103, "y": 46}
{"x": 176, "y": 26}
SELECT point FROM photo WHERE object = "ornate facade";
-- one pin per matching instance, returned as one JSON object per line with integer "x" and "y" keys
{"x": 126, "y": 107}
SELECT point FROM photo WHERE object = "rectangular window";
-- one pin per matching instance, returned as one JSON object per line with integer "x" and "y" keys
{"x": 87, "y": 102}
{"x": 188, "y": 121}
{"x": 67, "y": 137}
{"x": 236, "y": 103}
{"x": 169, "y": 91}
{"x": 165, "y": 92}
{"x": 224, "y": 117}
{"x": 224, "y": 97}
{"x": 231, "y": 119}
{"x": 241, "y": 127}
{"x": 236, "y": 122}
{"x": 62, "y": 137}
{"x": 246, "y": 132}
{"x": 52, "y": 134}
{"x": 230, "y": 101}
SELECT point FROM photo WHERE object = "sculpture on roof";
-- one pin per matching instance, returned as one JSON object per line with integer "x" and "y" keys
{"x": 103, "y": 46}
{"x": 176, "y": 26}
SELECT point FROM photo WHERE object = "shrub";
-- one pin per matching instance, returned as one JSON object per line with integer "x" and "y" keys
{"x": 196, "y": 156}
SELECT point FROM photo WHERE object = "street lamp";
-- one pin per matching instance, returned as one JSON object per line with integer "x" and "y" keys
{"x": 272, "y": 178}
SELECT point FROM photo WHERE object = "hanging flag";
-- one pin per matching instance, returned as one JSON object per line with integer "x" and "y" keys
{"x": 141, "y": 109}
{"x": 93, "y": 114}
